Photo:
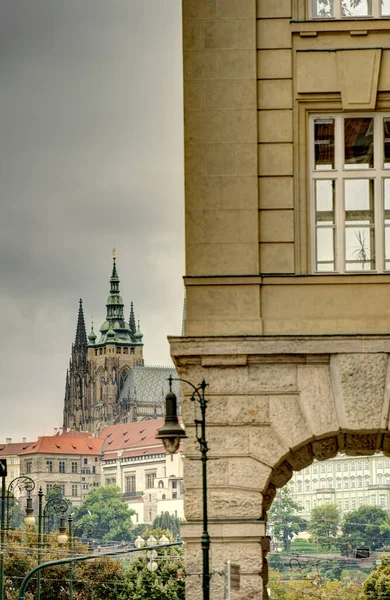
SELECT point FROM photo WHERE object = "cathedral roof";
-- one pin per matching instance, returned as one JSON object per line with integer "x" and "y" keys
{"x": 149, "y": 384}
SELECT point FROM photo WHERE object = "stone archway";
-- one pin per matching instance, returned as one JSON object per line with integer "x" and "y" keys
{"x": 275, "y": 405}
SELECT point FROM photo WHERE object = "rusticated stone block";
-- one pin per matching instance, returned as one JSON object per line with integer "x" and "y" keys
{"x": 247, "y": 473}
{"x": 268, "y": 498}
{"x": 281, "y": 475}
{"x": 223, "y": 503}
{"x": 316, "y": 398}
{"x": 273, "y": 378}
{"x": 288, "y": 419}
{"x": 248, "y": 409}
{"x": 358, "y": 382}
{"x": 361, "y": 445}
{"x": 324, "y": 449}
{"x": 266, "y": 445}
{"x": 301, "y": 458}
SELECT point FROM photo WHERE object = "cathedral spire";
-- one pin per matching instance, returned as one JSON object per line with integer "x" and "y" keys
{"x": 114, "y": 301}
{"x": 132, "y": 326}
{"x": 81, "y": 335}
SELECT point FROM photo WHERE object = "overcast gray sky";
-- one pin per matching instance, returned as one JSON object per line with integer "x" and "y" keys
{"x": 90, "y": 158}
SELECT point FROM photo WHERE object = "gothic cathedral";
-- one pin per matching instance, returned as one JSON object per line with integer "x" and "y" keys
{"x": 99, "y": 368}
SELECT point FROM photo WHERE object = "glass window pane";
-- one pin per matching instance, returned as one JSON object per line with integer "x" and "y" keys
{"x": 359, "y": 220}
{"x": 322, "y": 8}
{"x": 325, "y": 249}
{"x": 359, "y": 146}
{"x": 325, "y": 201}
{"x": 356, "y": 8}
{"x": 359, "y": 200}
{"x": 385, "y": 10}
{"x": 359, "y": 249}
{"x": 386, "y": 201}
{"x": 387, "y": 248}
{"x": 324, "y": 144}
{"x": 386, "y": 143}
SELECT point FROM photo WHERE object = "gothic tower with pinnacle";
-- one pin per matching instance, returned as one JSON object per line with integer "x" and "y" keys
{"x": 100, "y": 365}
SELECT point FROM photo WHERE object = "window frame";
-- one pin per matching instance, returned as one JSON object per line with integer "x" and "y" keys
{"x": 378, "y": 174}
{"x": 338, "y": 16}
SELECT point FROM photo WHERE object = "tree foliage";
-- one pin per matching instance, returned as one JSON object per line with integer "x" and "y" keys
{"x": 104, "y": 510}
{"x": 364, "y": 527}
{"x": 162, "y": 584}
{"x": 284, "y": 517}
{"x": 167, "y": 521}
{"x": 311, "y": 588}
{"x": 377, "y": 584}
{"x": 91, "y": 581}
{"x": 324, "y": 524}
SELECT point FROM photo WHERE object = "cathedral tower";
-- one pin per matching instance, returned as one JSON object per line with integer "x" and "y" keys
{"x": 76, "y": 377}
{"x": 93, "y": 388}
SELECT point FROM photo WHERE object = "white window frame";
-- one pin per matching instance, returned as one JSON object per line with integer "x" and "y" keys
{"x": 337, "y": 13}
{"x": 339, "y": 174}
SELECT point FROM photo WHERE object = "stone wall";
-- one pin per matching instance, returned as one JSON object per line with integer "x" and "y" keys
{"x": 274, "y": 405}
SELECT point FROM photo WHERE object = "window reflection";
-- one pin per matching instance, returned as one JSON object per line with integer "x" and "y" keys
{"x": 324, "y": 144}
{"x": 385, "y": 8}
{"x": 359, "y": 224}
{"x": 386, "y": 143}
{"x": 358, "y": 140}
{"x": 351, "y": 8}
{"x": 325, "y": 221}
{"x": 386, "y": 210}
{"x": 323, "y": 8}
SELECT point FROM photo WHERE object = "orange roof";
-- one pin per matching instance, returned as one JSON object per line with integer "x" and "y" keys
{"x": 138, "y": 434}
{"x": 66, "y": 445}
{"x": 13, "y": 449}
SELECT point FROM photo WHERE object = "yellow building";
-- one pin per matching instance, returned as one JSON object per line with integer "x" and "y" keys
{"x": 287, "y": 171}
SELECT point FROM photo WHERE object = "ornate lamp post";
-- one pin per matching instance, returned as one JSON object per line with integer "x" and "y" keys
{"x": 20, "y": 483}
{"x": 88, "y": 529}
{"x": 56, "y": 505}
{"x": 171, "y": 435}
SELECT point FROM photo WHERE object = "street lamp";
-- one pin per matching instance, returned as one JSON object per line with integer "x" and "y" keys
{"x": 22, "y": 482}
{"x": 171, "y": 435}
{"x": 88, "y": 529}
{"x": 139, "y": 543}
{"x": 56, "y": 505}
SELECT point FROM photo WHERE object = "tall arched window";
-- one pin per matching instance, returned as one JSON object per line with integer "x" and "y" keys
{"x": 122, "y": 378}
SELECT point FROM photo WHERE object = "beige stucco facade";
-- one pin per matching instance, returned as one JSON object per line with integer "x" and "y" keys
{"x": 296, "y": 360}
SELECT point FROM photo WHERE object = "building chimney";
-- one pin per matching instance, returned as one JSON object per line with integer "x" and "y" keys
{"x": 24, "y": 440}
{"x": 8, "y": 440}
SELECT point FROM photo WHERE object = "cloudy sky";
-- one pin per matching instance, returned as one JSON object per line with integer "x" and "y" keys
{"x": 90, "y": 158}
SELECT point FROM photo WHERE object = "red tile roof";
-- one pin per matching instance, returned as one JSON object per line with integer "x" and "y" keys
{"x": 66, "y": 445}
{"x": 13, "y": 448}
{"x": 138, "y": 434}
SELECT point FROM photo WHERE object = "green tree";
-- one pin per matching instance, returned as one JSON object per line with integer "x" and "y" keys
{"x": 364, "y": 527}
{"x": 311, "y": 588}
{"x": 109, "y": 516}
{"x": 377, "y": 584}
{"x": 167, "y": 521}
{"x": 284, "y": 517}
{"x": 324, "y": 524}
{"x": 92, "y": 580}
{"x": 166, "y": 583}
